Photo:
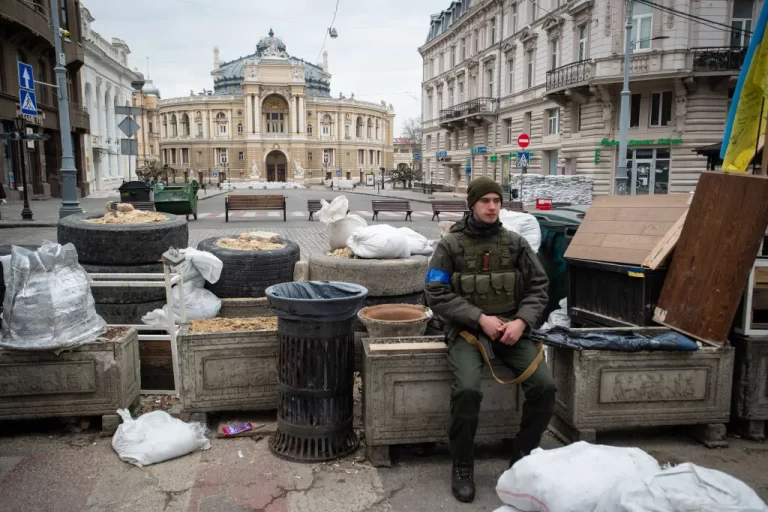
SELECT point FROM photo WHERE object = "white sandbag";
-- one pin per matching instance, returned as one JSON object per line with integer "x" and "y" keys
{"x": 558, "y": 318}
{"x": 506, "y": 508}
{"x": 48, "y": 301}
{"x": 333, "y": 211}
{"x": 525, "y": 225}
{"x": 417, "y": 244}
{"x": 340, "y": 230}
{"x": 684, "y": 487}
{"x": 155, "y": 437}
{"x": 379, "y": 242}
{"x": 572, "y": 478}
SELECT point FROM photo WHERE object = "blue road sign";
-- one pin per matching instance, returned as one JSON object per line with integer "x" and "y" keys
{"x": 215, "y": 173}
{"x": 523, "y": 159}
{"x": 26, "y": 76}
{"x": 28, "y": 102}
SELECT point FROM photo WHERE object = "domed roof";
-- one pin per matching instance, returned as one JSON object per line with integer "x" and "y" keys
{"x": 270, "y": 42}
{"x": 149, "y": 89}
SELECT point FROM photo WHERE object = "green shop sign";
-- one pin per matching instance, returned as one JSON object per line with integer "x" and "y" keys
{"x": 648, "y": 142}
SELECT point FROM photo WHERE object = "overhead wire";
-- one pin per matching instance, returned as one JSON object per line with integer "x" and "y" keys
{"x": 696, "y": 19}
{"x": 325, "y": 38}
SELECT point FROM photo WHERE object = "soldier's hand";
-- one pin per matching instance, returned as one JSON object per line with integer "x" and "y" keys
{"x": 512, "y": 331}
{"x": 491, "y": 326}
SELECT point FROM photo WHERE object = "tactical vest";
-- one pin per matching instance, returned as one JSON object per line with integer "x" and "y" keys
{"x": 488, "y": 279}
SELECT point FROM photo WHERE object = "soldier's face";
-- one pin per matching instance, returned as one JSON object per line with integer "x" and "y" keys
{"x": 487, "y": 208}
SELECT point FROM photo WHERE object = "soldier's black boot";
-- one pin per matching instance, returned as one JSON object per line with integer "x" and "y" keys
{"x": 463, "y": 481}
{"x": 517, "y": 454}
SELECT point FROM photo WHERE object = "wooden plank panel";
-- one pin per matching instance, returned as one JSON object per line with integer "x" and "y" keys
{"x": 589, "y": 239}
{"x": 630, "y": 242}
{"x": 714, "y": 255}
{"x": 612, "y": 255}
{"x": 666, "y": 245}
{"x": 611, "y": 227}
{"x": 655, "y": 201}
{"x": 635, "y": 214}
{"x": 659, "y": 229}
{"x": 426, "y": 347}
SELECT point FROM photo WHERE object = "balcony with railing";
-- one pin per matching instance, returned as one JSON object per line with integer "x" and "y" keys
{"x": 476, "y": 107}
{"x": 79, "y": 118}
{"x": 718, "y": 59}
{"x": 569, "y": 75}
{"x": 32, "y": 14}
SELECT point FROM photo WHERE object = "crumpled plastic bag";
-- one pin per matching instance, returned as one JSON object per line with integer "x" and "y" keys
{"x": 572, "y": 478}
{"x": 417, "y": 244}
{"x": 156, "y": 437}
{"x": 379, "y": 242}
{"x": 525, "y": 225}
{"x": 48, "y": 301}
{"x": 558, "y": 318}
{"x": 340, "y": 225}
{"x": 199, "y": 303}
{"x": 683, "y": 487}
{"x": 621, "y": 341}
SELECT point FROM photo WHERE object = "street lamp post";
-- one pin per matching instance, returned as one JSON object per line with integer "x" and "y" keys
{"x": 69, "y": 203}
{"x": 21, "y": 125}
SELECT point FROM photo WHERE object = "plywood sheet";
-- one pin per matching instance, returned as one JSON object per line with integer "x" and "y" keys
{"x": 714, "y": 255}
{"x": 626, "y": 229}
{"x": 664, "y": 248}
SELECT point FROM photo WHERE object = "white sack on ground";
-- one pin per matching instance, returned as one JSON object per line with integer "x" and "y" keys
{"x": 340, "y": 225}
{"x": 558, "y": 318}
{"x": 48, "y": 302}
{"x": 379, "y": 242}
{"x": 200, "y": 304}
{"x": 525, "y": 225}
{"x": 155, "y": 437}
{"x": 417, "y": 244}
{"x": 684, "y": 487}
{"x": 572, "y": 478}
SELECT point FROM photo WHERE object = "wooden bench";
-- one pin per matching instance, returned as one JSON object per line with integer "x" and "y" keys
{"x": 253, "y": 203}
{"x": 391, "y": 206}
{"x": 313, "y": 205}
{"x": 439, "y": 207}
{"x": 147, "y": 206}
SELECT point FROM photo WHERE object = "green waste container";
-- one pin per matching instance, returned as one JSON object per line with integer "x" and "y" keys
{"x": 178, "y": 199}
{"x": 557, "y": 229}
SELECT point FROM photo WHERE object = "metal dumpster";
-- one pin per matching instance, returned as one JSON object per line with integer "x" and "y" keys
{"x": 139, "y": 191}
{"x": 178, "y": 199}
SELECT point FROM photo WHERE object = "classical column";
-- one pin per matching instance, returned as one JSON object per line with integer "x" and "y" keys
{"x": 257, "y": 101}
{"x": 248, "y": 116}
{"x": 303, "y": 115}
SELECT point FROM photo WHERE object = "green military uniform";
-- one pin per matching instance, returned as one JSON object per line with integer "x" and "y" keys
{"x": 459, "y": 290}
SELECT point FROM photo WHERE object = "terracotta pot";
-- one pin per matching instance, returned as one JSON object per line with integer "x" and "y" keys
{"x": 394, "y": 320}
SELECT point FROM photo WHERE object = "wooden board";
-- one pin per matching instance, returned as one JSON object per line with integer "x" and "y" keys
{"x": 714, "y": 255}
{"x": 428, "y": 347}
{"x": 627, "y": 229}
{"x": 666, "y": 245}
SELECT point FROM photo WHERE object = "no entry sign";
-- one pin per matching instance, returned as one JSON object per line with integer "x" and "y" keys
{"x": 523, "y": 140}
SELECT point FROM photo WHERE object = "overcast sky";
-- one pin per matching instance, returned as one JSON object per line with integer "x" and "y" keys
{"x": 375, "y": 56}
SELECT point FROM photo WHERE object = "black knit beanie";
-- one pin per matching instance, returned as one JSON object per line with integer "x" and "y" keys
{"x": 481, "y": 186}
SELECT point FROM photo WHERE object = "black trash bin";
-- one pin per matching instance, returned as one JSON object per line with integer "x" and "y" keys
{"x": 315, "y": 411}
{"x": 131, "y": 191}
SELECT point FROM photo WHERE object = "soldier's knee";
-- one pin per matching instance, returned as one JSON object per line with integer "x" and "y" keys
{"x": 543, "y": 391}
{"x": 466, "y": 393}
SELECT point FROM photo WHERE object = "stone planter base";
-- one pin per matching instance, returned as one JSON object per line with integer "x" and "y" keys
{"x": 94, "y": 379}
{"x": 604, "y": 390}
{"x": 245, "y": 308}
{"x": 406, "y": 399}
{"x": 750, "y": 386}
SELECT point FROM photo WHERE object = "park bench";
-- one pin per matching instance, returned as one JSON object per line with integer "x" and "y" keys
{"x": 147, "y": 206}
{"x": 439, "y": 207}
{"x": 391, "y": 206}
{"x": 253, "y": 203}
{"x": 313, "y": 206}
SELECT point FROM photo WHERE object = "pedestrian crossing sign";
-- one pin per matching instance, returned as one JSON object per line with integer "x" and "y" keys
{"x": 523, "y": 159}
{"x": 28, "y": 102}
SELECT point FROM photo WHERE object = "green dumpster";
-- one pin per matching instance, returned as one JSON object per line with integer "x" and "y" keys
{"x": 179, "y": 199}
{"x": 557, "y": 229}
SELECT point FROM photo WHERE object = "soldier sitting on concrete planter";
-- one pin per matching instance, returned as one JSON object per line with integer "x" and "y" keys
{"x": 488, "y": 286}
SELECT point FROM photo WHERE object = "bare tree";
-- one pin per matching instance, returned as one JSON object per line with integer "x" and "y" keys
{"x": 405, "y": 175}
{"x": 412, "y": 131}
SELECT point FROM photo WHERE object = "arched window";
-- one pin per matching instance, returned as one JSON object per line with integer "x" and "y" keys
{"x": 370, "y": 129}
{"x": 275, "y": 114}
{"x": 309, "y": 129}
{"x": 221, "y": 120}
{"x": 174, "y": 128}
{"x": 359, "y": 128}
{"x": 185, "y": 125}
{"x": 327, "y": 125}
{"x": 239, "y": 128}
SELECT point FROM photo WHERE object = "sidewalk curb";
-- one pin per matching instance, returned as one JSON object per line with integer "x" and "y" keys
{"x": 22, "y": 224}
{"x": 417, "y": 200}
{"x": 213, "y": 195}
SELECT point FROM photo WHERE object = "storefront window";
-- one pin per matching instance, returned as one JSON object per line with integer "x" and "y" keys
{"x": 648, "y": 170}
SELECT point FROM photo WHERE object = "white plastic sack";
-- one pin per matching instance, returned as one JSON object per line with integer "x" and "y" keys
{"x": 417, "y": 244}
{"x": 525, "y": 225}
{"x": 48, "y": 302}
{"x": 333, "y": 211}
{"x": 572, "y": 478}
{"x": 199, "y": 303}
{"x": 340, "y": 231}
{"x": 155, "y": 437}
{"x": 379, "y": 242}
{"x": 558, "y": 318}
{"x": 684, "y": 487}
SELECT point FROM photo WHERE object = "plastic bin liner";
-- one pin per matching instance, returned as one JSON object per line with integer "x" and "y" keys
{"x": 614, "y": 340}
{"x": 322, "y": 301}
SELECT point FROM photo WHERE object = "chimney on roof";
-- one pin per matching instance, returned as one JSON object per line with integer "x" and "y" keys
{"x": 215, "y": 57}
{"x": 325, "y": 61}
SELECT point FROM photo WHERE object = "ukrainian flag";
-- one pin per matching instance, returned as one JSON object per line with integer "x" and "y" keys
{"x": 747, "y": 113}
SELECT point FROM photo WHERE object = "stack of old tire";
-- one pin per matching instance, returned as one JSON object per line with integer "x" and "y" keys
{"x": 247, "y": 273}
{"x": 399, "y": 281}
{"x": 124, "y": 249}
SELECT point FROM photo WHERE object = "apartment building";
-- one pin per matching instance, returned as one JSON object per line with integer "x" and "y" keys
{"x": 553, "y": 69}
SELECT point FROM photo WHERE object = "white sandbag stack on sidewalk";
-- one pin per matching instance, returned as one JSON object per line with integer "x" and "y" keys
{"x": 524, "y": 224}
{"x": 340, "y": 225}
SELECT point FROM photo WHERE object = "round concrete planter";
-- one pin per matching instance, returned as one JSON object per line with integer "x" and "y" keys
{"x": 395, "y": 320}
{"x": 383, "y": 278}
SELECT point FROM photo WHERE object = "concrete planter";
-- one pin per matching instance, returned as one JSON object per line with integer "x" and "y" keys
{"x": 245, "y": 308}
{"x": 605, "y": 390}
{"x": 94, "y": 379}
{"x": 228, "y": 371}
{"x": 750, "y": 386}
{"x": 407, "y": 400}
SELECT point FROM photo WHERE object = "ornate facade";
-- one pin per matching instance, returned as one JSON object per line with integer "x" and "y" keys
{"x": 270, "y": 117}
